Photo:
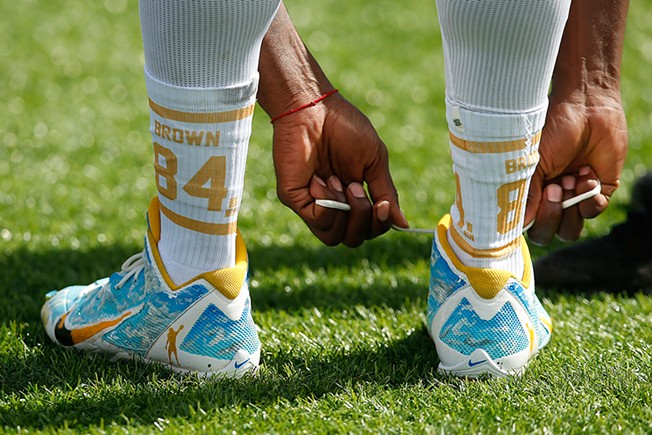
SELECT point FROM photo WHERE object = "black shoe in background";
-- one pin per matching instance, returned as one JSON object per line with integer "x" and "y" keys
{"x": 619, "y": 261}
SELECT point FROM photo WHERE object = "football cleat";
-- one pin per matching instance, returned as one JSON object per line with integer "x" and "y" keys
{"x": 203, "y": 326}
{"x": 483, "y": 321}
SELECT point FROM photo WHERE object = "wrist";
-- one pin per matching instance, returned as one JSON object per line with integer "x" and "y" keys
{"x": 304, "y": 106}
{"x": 289, "y": 75}
{"x": 280, "y": 97}
{"x": 590, "y": 53}
{"x": 585, "y": 77}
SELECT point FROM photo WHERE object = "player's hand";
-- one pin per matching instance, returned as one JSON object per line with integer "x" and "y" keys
{"x": 330, "y": 151}
{"x": 584, "y": 141}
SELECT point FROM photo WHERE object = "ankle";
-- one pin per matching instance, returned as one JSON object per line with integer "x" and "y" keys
{"x": 511, "y": 261}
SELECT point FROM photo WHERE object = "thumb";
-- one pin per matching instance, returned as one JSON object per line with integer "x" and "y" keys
{"x": 381, "y": 188}
{"x": 534, "y": 197}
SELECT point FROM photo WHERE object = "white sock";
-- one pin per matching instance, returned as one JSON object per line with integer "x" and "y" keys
{"x": 499, "y": 57}
{"x": 201, "y": 61}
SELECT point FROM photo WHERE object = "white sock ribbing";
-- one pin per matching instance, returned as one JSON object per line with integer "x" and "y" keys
{"x": 499, "y": 57}
{"x": 201, "y": 60}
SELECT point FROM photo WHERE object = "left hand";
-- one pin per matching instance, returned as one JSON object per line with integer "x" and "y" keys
{"x": 328, "y": 152}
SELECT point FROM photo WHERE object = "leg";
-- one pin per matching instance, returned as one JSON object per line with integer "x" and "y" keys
{"x": 499, "y": 58}
{"x": 201, "y": 62}
{"x": 201, "y": 73}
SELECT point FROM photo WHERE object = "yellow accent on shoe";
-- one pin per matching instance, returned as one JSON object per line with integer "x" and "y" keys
{"x": 154, "y": 219}
{"x": 547, "y": 323}
{"x": 530, "y": 331}
{"x": 227, "y": 281}
{"x": 486, "y": 282}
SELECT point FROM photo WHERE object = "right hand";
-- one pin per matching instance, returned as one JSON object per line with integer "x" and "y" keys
{"x": 585, "y": 136}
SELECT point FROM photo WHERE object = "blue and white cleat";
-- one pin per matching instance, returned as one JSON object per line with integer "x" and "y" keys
{"x": 483, "y": 321}
{"x": 203, "y": 326}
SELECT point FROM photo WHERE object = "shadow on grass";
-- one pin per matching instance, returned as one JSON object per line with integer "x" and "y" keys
{"x": 26, "y": 275}
{"x": 142, "y": 393}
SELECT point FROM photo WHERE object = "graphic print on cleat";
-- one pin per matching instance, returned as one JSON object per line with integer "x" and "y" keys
{"x": 482, "y": 321}
{"x": 203, "y": 326}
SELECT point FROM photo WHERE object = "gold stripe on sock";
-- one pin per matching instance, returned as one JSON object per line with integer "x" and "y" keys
{"x": 483, "y": 253}
{"x": 200, "y": 227}
{"x": 202, "y": 118}
{"x": 492, "y": 147}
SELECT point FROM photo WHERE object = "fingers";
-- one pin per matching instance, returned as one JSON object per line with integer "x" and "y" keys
{"x": 594, "y": 206}
{"x": 350, "y": 221}
{"x": 326, "y": 223}
{"x": 358, "y": 228}
{"x": 372, "y": 213}
{"x": 571, "y": 223}
{"x": 573, "y": 217}
{"x": 548, "y": 216}
{"x": 556, "y": 215}
{"x": 365, "y": 220}
{"x": 332, "y": 224}
{"x": 387, "y": 211}
{"x": 534, "y": 198}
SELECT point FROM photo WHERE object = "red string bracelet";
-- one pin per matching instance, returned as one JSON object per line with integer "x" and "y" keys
{"x": 305, "y": 106}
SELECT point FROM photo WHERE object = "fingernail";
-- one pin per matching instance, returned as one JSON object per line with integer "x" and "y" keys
{"x": 404, "y": 217}
{"x": 568, "y": 182}
{"x": 591, "y": 183}
{"x": 357, "y": 190}
{"x": 383, "y": 210}
{"x": 585, "y": 170}
{"x": 319, "y": 180}
{"x": 561, "y": 239}
{"x": 336, "y": 183}
{"x": 554, "y": 193}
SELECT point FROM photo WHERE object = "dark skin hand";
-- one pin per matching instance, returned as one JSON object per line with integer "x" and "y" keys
{"x": 585, "y": 137}
{"x": 326, "y": 151}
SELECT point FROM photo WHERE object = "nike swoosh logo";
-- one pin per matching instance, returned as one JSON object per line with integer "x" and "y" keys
{"x": 70, "y": 337}
{"x": 237, "y": 366}
{"x": 473, "y": 364}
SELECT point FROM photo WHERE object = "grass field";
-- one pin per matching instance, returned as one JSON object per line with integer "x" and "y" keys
{"x": 345, "y": 347}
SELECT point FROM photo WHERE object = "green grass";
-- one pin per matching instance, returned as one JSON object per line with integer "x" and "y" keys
{"x": 345, "y": 346}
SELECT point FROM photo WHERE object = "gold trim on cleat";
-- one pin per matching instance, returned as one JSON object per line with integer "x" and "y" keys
{"x": 487, "y": 283}
{"x": 227, "y": 281}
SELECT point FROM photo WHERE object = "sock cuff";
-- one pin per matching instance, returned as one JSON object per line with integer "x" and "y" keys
{"x": 476, "y": 125}
{"x": 201, "y": 99}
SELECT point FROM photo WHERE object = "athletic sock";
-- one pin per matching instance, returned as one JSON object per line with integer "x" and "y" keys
{"x": 201, "y": 61}
{"x": 499, "y": 57}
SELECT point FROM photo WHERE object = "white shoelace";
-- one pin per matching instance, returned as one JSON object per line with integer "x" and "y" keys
{"x": 131, "y": 268}
{"x": 336, "y": 205}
